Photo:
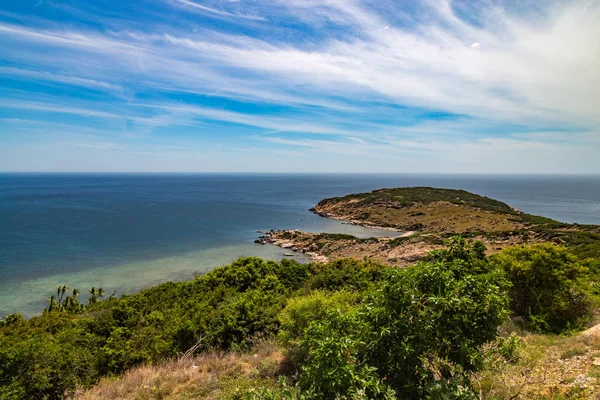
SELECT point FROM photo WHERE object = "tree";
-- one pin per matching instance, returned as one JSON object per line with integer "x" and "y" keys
{"x": 60, "y": 293}
{"x": 52, "y": 304}
{"x": 549, "y": 286}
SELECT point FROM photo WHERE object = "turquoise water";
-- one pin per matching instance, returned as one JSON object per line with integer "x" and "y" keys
{"x": 126, "y": 232}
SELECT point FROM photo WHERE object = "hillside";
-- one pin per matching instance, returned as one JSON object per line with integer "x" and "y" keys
{"x": 425, "y": 209}
{"x": 347, "y": 315}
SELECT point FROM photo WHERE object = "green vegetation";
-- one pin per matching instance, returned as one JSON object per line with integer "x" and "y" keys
{"x": 407, "y": 196}
{"x": 229, "y": 308}
{"x": 417, "y": 336}
{"x": 301, "y": 311}
{"x": 348, "y": 329}
{"x": 548, "y": 286}
{"x": 459, "y": 212}
{"x": 587, "y": 251}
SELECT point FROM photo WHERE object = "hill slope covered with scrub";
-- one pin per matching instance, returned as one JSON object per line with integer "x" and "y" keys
{"x": 344, "y": 329}
{"x": 435, "y": 210}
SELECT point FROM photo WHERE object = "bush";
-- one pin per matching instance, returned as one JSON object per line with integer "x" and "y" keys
{"x": 419, "y": 335}
{"x": 334, "y": 369}
{"x": 301, "y": 311}
{"x": 549, "y": 286}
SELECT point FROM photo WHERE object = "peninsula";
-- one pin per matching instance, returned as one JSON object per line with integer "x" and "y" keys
{"x": 427, "y": 217}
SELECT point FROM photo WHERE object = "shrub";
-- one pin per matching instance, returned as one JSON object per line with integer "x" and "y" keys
{"x": 434, "y": 311}
{"x": 11, "y": 319}
{"x": 419, "y": 335}
{"x": 334, "y": 369}
{"x": 548, "y": 286}
{"x": 299, "y": 312}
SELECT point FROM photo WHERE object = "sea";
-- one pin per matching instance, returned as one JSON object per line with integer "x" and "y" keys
{"x": 126, "y": 232}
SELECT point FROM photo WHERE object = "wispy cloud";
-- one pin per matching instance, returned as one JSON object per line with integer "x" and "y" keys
{"x": 278, "y": 124}
{"x": 374, "y": 77}
{"x": 45, "y": 107}
{"x": 71, "y": 80}
{"x": 220, "y": 13}
{"x": 520, "y": 70}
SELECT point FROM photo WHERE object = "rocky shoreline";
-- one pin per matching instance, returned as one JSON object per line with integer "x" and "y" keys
{"x": 285, "y": 240}
{"x": 323, "y": 247}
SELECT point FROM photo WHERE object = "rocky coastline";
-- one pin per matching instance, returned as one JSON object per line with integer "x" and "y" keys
{"x": 428, "y": 217}
{"x": 286, "y": 240}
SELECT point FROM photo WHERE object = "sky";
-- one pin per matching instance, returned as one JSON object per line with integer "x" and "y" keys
{"x": 429, "y": 86}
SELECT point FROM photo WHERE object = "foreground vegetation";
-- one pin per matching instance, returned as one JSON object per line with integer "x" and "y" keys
{"x": 530, "y": 366}
{"x": 345, "y": 329}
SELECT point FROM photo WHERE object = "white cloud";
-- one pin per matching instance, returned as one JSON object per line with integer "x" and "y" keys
{"x": 52, "y": 108}
{"x": 219, "y": 12}
{"x": 278, "y": 124}
{"x": 535, "y": 71}
{"x": 528, "y": 71}
{"x": 71, "y": 80}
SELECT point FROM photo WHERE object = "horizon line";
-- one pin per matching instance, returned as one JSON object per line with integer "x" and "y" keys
{"x": 287, "y": 173}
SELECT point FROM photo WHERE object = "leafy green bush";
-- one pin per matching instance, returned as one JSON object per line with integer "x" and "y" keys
{"x": 548, "y": 286}
{"x": 419, "y": 335}
{"x": 361, "y": 330}
{"x": 43, "y": 361}
{"x": 334, "y": 369}
{"x": 11, "y": 319}
{"x": 299, "y": 312}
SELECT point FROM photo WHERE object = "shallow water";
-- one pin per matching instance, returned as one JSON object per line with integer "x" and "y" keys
{"x": 126, "y": 232}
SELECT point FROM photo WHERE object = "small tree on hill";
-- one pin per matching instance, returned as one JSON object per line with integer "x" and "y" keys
{"x": 549, "y": 286}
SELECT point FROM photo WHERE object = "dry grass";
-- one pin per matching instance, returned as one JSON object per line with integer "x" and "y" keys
{"x": 208, "y": 376}
{"x": 436, "y": 217}
{"x": 548, "y": 367}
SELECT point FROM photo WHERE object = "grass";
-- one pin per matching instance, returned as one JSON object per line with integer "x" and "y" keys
{"x": 425, "y": 209}
{"x": 410, "y": 207}
{"x": 584, "y": 251}
{"x": 573, "y": 350}
{"x": 207, "y": 376}
{"x": 544, "y": 367}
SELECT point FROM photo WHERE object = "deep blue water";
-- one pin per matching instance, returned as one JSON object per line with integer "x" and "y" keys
{"x": 125, "y": 232}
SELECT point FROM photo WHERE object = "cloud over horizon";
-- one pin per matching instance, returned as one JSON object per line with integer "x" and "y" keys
{"x": 301, "y": 85}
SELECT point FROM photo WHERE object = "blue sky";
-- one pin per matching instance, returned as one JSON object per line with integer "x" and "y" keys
{"x": 300, "y": 86}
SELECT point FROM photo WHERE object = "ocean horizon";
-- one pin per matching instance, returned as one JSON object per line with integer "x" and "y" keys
{"x": 129, "y": 231}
